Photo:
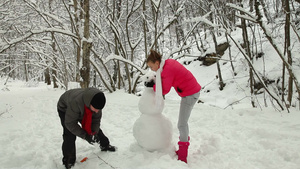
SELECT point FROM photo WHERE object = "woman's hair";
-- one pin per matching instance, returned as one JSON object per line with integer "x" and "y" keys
{"x": 153, "y": 57}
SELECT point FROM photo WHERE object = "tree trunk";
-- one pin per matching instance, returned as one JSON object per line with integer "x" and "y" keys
{"x": 266, "y": 11}
{"x": 47, "y": 76}
{"x": 54, "y": 73}
{"x": 155, "y": 13}
{"x": 248, "y": 52}
{"x": 77, "y": 18}
{"x": 117, "y": 69}
{"x": 86, "y": 43}
{"x": 230, "y": 56}
{"x": 54, "y": 65}
{"x": 145, "y": 30}
{"x": 26, "y": 68}
{"x": 221, "y": 83}
{"x": 288, "y": 49}
{"x": 251, "y": 4}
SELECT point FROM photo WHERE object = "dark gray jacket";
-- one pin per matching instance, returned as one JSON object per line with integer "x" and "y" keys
{"x": 72, "y": 103}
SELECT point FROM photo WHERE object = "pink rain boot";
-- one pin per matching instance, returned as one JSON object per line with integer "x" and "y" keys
{"x": 183, "y": 151}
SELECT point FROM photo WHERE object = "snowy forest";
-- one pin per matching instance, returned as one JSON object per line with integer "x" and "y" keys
{"x": 104, "y": 44}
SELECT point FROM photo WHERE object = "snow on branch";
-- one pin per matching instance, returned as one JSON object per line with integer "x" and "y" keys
{"x": 267, "y": 32}
{"x": 8, "y": 44}
{"x": 120, "y": 58}
{"x": 54, "y": 17}
{"x": 202, "y": 19}
{"x": 273, "y": 95}
{"x": 101, "y": 35}
{"x": 156, "y": 3}
{"x": 105, "y": 82}
{"x": 249, "y": 16}
{"x": 2, "y": 4}
{"x": 234, "y": 6}
{"x": 246, "y": 18}
{"x": 198, "y": 20}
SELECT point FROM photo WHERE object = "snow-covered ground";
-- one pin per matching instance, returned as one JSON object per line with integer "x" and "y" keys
{"x": 239, "y": 137}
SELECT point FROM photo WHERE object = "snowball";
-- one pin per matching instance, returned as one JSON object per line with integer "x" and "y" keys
{"x": 147, "y": 102}
{"x": 153, "y": 132}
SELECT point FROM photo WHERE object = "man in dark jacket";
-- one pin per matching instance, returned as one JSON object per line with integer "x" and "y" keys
{"x": 82, "y": 106}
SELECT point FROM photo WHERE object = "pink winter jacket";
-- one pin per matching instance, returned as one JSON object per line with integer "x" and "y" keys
{"x": 176, "y": 75}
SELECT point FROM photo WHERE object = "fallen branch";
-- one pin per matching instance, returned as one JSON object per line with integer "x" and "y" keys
{"x": 105, "y": 161}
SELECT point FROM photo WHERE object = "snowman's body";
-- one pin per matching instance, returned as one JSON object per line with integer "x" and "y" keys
{"x": 147, "y": 102}
{"x": 152, "y": 130}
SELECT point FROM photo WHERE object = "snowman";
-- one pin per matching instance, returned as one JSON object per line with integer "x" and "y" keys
{"x": 152, "y": 130}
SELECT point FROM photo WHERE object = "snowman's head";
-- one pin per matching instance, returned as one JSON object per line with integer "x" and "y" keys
{"x": 149, "y": 76}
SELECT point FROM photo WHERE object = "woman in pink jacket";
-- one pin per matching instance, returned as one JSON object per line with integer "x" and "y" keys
{"x": 170, "y": 73}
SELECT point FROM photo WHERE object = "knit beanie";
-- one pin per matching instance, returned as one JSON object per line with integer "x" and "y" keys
{"x": 98, "y": 101}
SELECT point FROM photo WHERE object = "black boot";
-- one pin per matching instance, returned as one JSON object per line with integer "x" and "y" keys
{"x": 104, "y": 142}
{"x": 68, "y": 166}
{"x": 108, "y": 148}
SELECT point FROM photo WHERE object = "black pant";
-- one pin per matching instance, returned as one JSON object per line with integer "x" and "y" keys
{"x": 69, "y": 146}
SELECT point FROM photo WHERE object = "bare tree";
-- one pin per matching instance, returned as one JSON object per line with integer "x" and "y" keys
{"x": 82, "y": 18}
{"x": 288, "y": 52}
{"x": 258, "y": 19}
{"x": 249, "y": 54}
{"x": 64, "y": 41}
{"x": 221, "y": 82}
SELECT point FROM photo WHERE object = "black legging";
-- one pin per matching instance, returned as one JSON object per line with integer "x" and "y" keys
{"x": 69, "y": 146}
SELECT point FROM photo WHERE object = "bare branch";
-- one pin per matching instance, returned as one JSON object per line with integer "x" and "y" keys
{"x": 13, "y": 42}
